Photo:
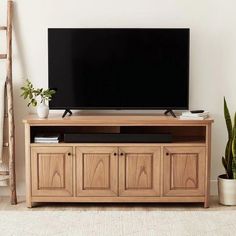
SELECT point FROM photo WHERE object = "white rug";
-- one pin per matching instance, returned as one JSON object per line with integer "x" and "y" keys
{"x": 109, "y": 223}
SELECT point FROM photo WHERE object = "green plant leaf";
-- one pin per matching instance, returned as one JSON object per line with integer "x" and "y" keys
{"x": 234, "y": 168}
{"x": 224, "y": 163}
{"x": 34, "y": 102}
{"x": 227, "y": 119}
{"x": 234, "y": 138}
{"x": 229, "y": 158}
{"x": 32, "y": 93}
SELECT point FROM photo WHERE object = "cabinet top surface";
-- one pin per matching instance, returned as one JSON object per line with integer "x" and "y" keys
{"x": 112, "y": 120}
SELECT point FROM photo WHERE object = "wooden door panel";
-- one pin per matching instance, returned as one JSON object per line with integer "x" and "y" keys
{"x": 184, "y": 168}
{"x": 97, "y": 171}
{"x": 184, "y": 171}
{"x": 140, "y": 165}
{"x": 139, "y": 171}
{"x": 51, "y": 171}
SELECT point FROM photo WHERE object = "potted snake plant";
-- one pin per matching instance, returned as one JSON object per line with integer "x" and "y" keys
{"x": 227, "y": 182}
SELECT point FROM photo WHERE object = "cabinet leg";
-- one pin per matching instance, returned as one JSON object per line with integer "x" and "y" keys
{"x": 206, "y": 204}
{"x": 29, "y": 204}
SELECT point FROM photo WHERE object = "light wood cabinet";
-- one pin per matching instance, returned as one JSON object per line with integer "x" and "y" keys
{"x": 51, "y": 170}
{"x": 97, "y": 171}
{"x": 139, "y": 171}
{"x": 178, "y": 171}
{"x": 184, "y": 171}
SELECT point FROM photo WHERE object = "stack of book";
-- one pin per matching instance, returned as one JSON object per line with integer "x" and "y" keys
{"x": 43, "y": 138}
{"x": 187, "y": 115}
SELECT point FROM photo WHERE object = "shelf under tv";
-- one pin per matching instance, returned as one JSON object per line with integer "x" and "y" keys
{"x": 118, "y": 172}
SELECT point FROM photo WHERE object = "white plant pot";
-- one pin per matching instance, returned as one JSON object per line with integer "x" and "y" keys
{"x": 227, "y": 190}
{"x": 42, "y": 110}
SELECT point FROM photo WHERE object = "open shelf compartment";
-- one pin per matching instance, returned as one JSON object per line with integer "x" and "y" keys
{"x": 180, "y": 134}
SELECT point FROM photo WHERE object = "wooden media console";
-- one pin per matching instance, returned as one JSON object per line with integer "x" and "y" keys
{"x": 118, "y": 172}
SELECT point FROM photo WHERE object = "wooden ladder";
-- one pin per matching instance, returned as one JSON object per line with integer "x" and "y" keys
{"x": 9, "y": 116}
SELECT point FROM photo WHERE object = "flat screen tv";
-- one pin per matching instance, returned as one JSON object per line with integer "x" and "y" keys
{"x": 114, "y": 68}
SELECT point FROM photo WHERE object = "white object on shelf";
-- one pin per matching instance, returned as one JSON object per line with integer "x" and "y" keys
{"x": 43, "y": 110}
{"x": 44, "y": 138}
{"x": 187, "y": 115}
{"x": 46, "y": 141}
{"x": 192, "y": 118}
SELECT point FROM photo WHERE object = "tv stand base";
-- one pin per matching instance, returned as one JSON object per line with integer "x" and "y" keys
{"x": 67, "y": 111}
{"x": 132, "y": 170}
{"x": 171, "y": 112}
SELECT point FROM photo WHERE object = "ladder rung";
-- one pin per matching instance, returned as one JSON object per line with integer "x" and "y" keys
{"x": 3, "y": 56}
{"x": 4, "y": 177}
{"x": 3, "y": 28}
{"x": 4, "y": 173}
{"x": 6, "y": 145}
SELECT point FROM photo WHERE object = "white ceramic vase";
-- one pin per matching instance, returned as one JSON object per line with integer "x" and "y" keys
{"x": 227, "y": 191}
{"x": 43, "y": 110}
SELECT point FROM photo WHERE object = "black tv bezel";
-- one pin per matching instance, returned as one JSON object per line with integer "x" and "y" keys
{"x": 127, "y": 108}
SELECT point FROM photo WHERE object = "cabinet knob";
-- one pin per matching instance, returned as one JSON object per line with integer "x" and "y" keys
{"x": 167, "y": 154}
{"x": 122, "y": 154}
{"x": 69, "y": 154}
{"x": 115, "y": 153}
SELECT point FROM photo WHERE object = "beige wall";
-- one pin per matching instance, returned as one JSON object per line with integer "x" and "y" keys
{"x": 213, "y": 50}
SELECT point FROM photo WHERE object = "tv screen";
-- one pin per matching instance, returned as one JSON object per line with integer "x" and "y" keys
{"x": 104, "y": 68}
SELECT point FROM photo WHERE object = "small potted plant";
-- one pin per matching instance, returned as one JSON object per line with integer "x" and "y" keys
{"x": 227, "y": 182}
{"x": 31, "y": 93}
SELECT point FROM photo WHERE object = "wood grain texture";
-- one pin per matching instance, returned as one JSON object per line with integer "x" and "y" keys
{"x": 5, "y": 131}
{"x": 139, "y": 171}
{"x": 208, "y": 165}
{"x": 21, "y": 206}
{"x": 52, "y": 172}
{"x": 119, "y": 199}
{"x": 113, "y": 120}
{"x": 181, "y": 144}
{"x": 184, "y": 171}
{"x": 9, "y": 88}
{"x": 97, "y": 171}
{"x": 28, "y": 178}
{"x": 144, "y": 173}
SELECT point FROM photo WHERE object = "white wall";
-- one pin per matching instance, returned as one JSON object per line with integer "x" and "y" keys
{"x": 213, "y": 50}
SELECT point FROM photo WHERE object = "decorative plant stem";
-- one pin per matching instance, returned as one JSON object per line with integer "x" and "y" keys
{"x": 32, "y": 93}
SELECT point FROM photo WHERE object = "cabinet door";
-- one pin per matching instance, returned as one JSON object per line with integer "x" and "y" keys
{"x": 97, "y": 171}
{"x": 184, "y": 171}
{"x": 51, "y": 171}
{"x": 139, "y": 171}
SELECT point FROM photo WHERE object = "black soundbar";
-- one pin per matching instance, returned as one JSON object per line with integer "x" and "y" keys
{"x": 117, "y": 138}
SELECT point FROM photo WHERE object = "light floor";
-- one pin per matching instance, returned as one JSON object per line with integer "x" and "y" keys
{"x": 21, "y": 206}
